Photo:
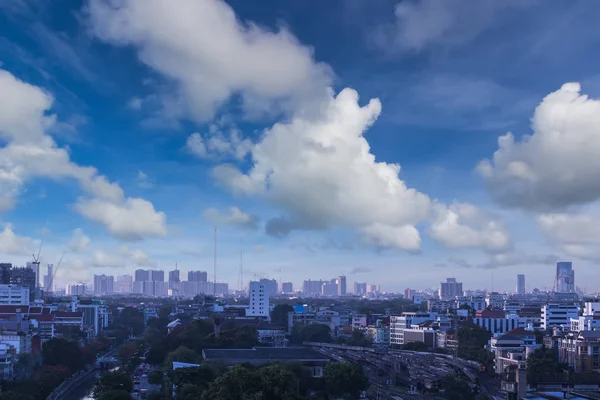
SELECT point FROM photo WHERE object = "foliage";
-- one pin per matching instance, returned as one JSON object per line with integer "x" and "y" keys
{"x": 471, "y": 340}
{"x": 155, "y": 377}
{"x": 24, "y": 364}
{"x": 311, "y": 333}
{"x": 279, "y": 315}
{"x": 345, "y": 378}
{"x": 61, "y": 352}
{"x": 131, "y": 319}
{"x": 544, "y": 362}
{"x": 200, "y": 377}
{"x": 189, "y": 391}
{"x": 114, "y": 395}
{"x": 456, "y": 388}
{"x": 49, "y": 377}
{"x": 359, "y": 338}
{"x": 181, "y": 354}
{"x": 415, "y": 346}
{"x": 72, "y": 333}
{"x": 113, "y": 381}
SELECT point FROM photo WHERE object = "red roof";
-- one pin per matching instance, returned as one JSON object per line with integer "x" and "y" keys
{"x": 43, "y": 317}
{"x": 494, "y": 313}
{"x": 13, "y": 309}
{"x": 520, "y": 332}
{"x": 68, "y": 314}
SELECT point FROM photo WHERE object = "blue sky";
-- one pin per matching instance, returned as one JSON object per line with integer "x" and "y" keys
{"x": 337, "y": 138}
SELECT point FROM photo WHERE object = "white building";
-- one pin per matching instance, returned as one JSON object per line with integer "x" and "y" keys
{"x": 589, "y": 321}
{"x": 14, "y": 295}
{"x": 559, "y": 315}
{"x": 259, "y": 300}
{"x": 400, "y": 323}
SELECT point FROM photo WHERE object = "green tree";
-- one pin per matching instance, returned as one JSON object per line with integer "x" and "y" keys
{"x": 24, "y": 365}
{"x": 311, "y": 333}
{"x": 471, "y": 339}
{"x": 189, "y": 391}
{"x": 181, "y": 354}
{"x": 345, "y": 378}
{"x": 279, "y": 315}
{"x": 155, "y": 377}
{"x": 456, "y": 388}
{"x": 278, "y": 382}
{"x": 152, "y": 335}
{"x": 113, "y": 381}
{"x": 239, "y": 383}
{"x": 359, "y": 338}
{"x": 49, "y": 377}
{"x": 131, "y": 319}
{"x": 57, "y": 351}
{"x": 113, "y": 395}
{"x": 543, "y": 364}
{"x": 200, "y": 376}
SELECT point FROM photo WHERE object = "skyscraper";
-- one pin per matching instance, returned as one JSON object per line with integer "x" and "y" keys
{"x": 360, "y": 288}
{"x": 450, "y": 289}
{"x": 271, "y": 285}
{"x": 25, "y": 277}
{"x": 48, "y": 284}
{"x": 341, "y": 283}
{"x": 124, "y": 284}
{"x": 5, "y": 273}
{"x": 521, "y": 284}
{"x": 565, "y": 277}
{"x": 287, "y": 287}
{"x": 197, "y": 276}
{"x": 142, "y": 275}
{"x": 104, "y": 284}
{"x": 174, "y": 279}
{"x": 259, "y": 299}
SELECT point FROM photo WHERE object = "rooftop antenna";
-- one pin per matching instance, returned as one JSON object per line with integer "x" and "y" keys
{"x": 215, "y": 265}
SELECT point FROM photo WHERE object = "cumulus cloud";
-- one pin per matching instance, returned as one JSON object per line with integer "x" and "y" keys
{"x": 121, "y": 257}
{"x": 271, "y": 71}
{"x": 79, "y": 241}
{"x": 556, "y": 166}
{"x": 234, "y": 217}
{"x": 321, "y": 173}
{"x": 143, "y": 180}
{"x": 576, "y": 234}
{"x": 419, "y": 24}
{"x": 507, "y": 259}
{"x": 218, "y": 144}
{"x": 13, "y": 244}
{"x": 131, "y": 220}
{"x": 462, "y": 225}
{"x": 31, "y": 153}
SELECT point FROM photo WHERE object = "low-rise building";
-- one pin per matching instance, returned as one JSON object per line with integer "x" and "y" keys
{"x": 581, "y": 350}
{"x": 496, "y": 321}
{"x": 556, "y": 314}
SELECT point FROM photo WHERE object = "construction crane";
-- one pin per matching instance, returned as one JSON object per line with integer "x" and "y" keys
{"x": 51, "y": 280}
{"x": 36, "y": 258}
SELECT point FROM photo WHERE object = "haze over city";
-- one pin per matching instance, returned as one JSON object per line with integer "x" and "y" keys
{"x": 393, "y": 143}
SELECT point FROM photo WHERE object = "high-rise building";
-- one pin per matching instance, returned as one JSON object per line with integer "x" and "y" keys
{"x": 142, "y": 275}
{"x": 157, "y": 275}
{"x": 35, "y": 267}
{"x": 197, "y": 276}
{"x": 287, "y": 287}
{"x": 124, "y": 284}
{"x": 565, "y": 277}
{"x": 450, "y": 289}
{"x": 75, "y": 290}
{"x": 312, "y": 287}
{"x": 271, "y": 285}
{"x": 5, "y": 269}
{"x": 330, "y": 288}
{"x": 104, "y": 284}
{"x": 48, "y": 284}
{"x": 259, "y": 299}
{"x": 520, "y": 284}
{"x": 24, "y": 277}
{"x": 173, "y": 278}
{"x": 341, "y": 282}
{"x": 360, "y": 288}
{"x": 14, "y": 295}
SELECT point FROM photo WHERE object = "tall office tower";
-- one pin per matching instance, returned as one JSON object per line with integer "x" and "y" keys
{"x": 565, "y": 277}
{"x": 124, "y": 284}
{"x": 5, "y": 273}
{"x": 312, "y": 287}
{"x": 450, "y": 289}
{"x": 330, "y": 288}
{"x": 259, "y": 299}
{"x": 173, "y": 279}
{"x": 74, "y": 290}
{"x": 360, "y": 288}
{"x": 520, "y": 284}
{"x": 142, "y": 275}
{"x": 35, "y": 267}
{"x": 409, "y": 293}
{"x": 287, "y": 287}
{"x": 271, "y": 285}
{"x": 341, "y": 282}
{"x": 157, "y": 275}
{"x": 197, "y": 276}
{"x": 48, "y": 284}
{"x": 104, "y": 284}
{"x": 24, "y": 277}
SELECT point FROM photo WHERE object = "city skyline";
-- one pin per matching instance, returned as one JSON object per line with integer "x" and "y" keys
{"x": 401, "y": 155}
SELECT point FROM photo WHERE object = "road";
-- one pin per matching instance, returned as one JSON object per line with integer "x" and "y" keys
{"x": 141, "y": 386}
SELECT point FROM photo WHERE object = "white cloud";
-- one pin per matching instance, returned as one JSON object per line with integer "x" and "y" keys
{"x": 144, "y": 181}
{"x": 101, "y": 259}
{"x": 576, "y": 234}
{"x": 131, "y": 220}
{"x": 234, "y": 217}
{"x": 556, "y": 166}
{"x": 321, "y": 172}
{"x": 268, "y": 69}
{"x": 121, "y": 257}
{"x": 423, "y": 23}
{"x": 31, "y": 153}
{"x": 79, "y": 241}
{"x": 219, "y": 144}
{"x": 12, "y": 244}
{"x": 463, "y": 225}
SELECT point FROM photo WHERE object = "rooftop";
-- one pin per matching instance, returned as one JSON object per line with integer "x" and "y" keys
{"x": 266, "y": 353}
